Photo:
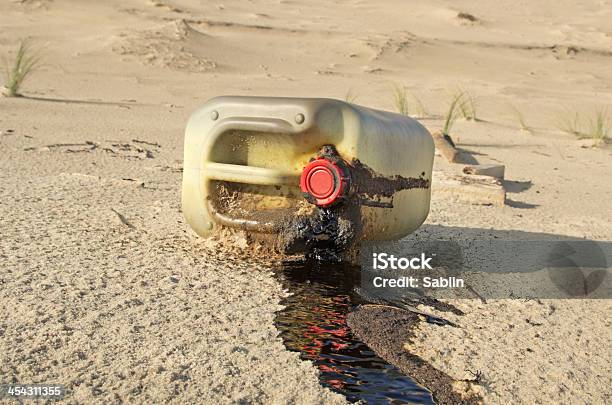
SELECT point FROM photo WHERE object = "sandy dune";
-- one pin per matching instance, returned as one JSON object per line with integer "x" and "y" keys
{"x": 104, "y": 288}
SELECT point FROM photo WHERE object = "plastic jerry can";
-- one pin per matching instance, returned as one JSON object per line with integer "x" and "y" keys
{"x": 309, "y": 173}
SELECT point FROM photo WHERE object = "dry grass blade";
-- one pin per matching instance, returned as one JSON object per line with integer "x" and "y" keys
{"x": 20, "y": 69}
{"x": 123, "y": 219}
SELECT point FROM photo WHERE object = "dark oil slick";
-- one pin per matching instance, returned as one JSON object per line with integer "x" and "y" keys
{"x": 314, "y": 323}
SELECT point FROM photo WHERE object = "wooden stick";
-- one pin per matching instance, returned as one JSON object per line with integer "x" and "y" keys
{"x": 445, "y": 146}
{"x": 496, "y": 171}
{"x": 475, "y": 189}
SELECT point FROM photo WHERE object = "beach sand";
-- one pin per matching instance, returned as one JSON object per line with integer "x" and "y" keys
{"x": 105, "y": 289}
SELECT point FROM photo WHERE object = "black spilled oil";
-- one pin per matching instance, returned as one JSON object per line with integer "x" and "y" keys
{"x": 314, "y": 324}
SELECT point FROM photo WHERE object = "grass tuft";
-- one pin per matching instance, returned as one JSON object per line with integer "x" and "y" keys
{"x": 421, "y": 111}
{"x": 25, "y": 62}
{"x": 520, "y": 118}
{"x": 599, "y": 126}
{"x": 402, "y": 105}
{"x": 467, "y": 105}
{"x": 571, "y": 123}
{"x": 452, "y": 113}
{"x": 400, "y": 99}
{"x": 350, "y": 96}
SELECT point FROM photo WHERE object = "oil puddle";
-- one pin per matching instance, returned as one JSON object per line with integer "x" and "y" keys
{"x": 314, "y": 323}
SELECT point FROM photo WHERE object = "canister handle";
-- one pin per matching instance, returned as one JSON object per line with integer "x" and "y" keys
{"x": 247, "y": 174}
{"x": 250, "y": 174}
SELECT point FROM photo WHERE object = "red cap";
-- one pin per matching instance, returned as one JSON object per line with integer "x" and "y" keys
{"x": 324, "y": 181}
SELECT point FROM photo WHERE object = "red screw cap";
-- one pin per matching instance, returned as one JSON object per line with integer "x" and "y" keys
{"x": 324, "y": 182}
